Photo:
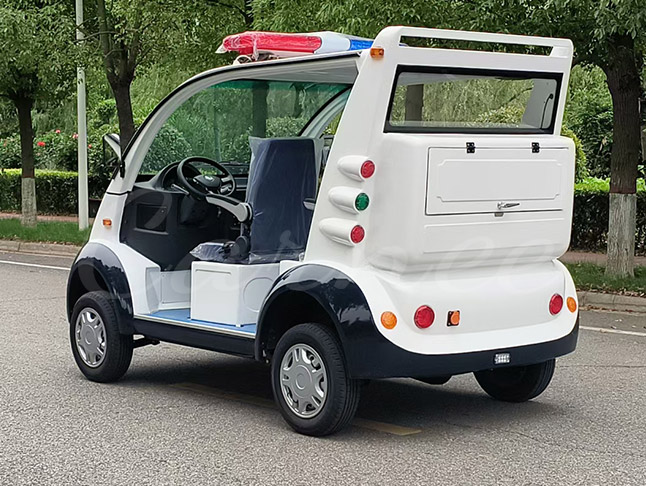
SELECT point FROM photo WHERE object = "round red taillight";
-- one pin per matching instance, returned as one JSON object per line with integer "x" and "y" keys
{"x": 367, "y": 169}
{"x": 424, "y": 317}
{"x": 357, "y": 234}
{"x": 556, "y": 304}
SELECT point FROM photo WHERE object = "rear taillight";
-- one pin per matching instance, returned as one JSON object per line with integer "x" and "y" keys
{"x": 556, "y": 304}
{"x": 424, "y": 317}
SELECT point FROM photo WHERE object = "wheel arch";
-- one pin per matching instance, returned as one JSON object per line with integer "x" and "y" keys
{"x": 98, "y": 268}
{"x": 321, "y": 294}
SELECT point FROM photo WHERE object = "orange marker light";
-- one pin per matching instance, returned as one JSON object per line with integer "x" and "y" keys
{"x": 107, "y": 223}
{"x": 571, "y": 304}
{"x": 377, "y": 52}
{"x": 454, "y": 318}
{"x": 388, "y": 320}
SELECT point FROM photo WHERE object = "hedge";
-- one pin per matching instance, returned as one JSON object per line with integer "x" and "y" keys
{"x": 56, "y": 191}
{"x": 591, "y": 213}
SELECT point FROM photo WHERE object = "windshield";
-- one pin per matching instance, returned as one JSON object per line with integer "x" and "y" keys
{"x": 473, "y": 101}
{"x": 218, "y": 121}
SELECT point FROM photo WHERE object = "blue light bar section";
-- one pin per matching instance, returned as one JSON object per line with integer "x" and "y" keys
{"x": 359, "y": 44}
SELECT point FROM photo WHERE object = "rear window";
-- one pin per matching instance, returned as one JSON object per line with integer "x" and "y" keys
{"x": 430, "y": 100}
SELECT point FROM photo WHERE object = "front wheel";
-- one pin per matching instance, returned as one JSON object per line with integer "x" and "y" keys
{"x": 517, "y": 383}
{"x": 310, "y": 381}
{"x": 100, "y": 351}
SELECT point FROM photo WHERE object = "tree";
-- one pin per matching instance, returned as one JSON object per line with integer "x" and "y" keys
{"x": 135, "y": 34}
{"x": 31, "y": 73}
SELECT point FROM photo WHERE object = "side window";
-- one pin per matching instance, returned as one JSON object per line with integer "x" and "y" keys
{"x": 218, "y": 121}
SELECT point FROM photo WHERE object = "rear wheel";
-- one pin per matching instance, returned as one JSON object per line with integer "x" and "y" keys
{"x": 101, "y": 352}
{"x": 311, "y": 384}
{"x": 517, "y": 383}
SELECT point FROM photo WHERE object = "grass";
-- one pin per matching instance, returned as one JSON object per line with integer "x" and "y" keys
{"x": 45, "y": 231}
{"x": 588, "y": 276}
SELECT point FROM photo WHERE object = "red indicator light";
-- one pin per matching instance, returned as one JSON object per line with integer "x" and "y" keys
{"x": 556, "y": 304}
{"x": 367, "y": 169}
{"x": 424, "y": 317}
{"x": 357, "y": 234}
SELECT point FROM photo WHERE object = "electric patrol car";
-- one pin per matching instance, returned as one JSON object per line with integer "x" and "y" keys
{"x": 345, "y": 210}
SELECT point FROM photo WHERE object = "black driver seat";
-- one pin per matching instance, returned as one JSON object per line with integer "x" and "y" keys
{"x": 282, "y": 177}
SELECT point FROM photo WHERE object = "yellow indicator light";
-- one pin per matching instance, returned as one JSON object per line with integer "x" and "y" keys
{"x": 377, "y": 52}
{"x": 388, "y": 320}
{"x": 571, "y": 304}
{"x": 107, "y": 223}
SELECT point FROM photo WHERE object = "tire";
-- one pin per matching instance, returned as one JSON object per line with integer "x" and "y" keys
{"x": 517, "y": 383}
{"x": 341, "y": 395}
{"x": 117, "y": 348}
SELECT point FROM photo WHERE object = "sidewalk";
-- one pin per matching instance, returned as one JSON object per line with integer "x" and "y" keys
{"x": 42, "y": 217}
{"x": 596, "y": 258}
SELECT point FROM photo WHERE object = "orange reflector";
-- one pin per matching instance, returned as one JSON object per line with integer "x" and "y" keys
{"x": 571, "y": 304}
{"x": 454, "y": 318}
{"x": 377, "y": 52}
{"x": 388, "y": 320}
{"x": 107, "y": 223}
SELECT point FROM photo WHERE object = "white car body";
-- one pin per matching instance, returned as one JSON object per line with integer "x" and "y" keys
{"x": 477, "y": 232}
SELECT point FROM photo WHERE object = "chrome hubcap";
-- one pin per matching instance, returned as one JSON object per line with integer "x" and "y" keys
{"x": 90, "y": 337}
{"x": 303, "y": 380}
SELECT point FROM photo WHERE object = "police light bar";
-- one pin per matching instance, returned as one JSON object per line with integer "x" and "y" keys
{"x": 267, "y": 45}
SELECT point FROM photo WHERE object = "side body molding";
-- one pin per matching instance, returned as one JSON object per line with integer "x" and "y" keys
{"x": 98, "y": 268}
{"x": 343, "y": 303}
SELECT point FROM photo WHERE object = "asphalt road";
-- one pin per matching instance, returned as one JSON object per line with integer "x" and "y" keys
{"x": 184, "y": 416}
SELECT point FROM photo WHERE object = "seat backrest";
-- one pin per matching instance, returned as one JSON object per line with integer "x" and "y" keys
{"x": 283, "y": 176}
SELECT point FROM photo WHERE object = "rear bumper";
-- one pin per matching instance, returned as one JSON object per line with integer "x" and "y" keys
{"x": 383, "y": 359}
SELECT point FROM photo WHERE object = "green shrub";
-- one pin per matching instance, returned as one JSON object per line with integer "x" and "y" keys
{"x": 10, "y": 152}
{"x": 591, "y": 213}
{"x": 56, "y": 151}
{"x": 56, "y": 191}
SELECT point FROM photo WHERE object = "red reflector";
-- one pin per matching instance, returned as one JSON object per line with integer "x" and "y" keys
{"x": 424, "y": 317}
{"x": 357, "y": 234}
{"x": 556, "y": 304}
{"x": 367, "y": 169}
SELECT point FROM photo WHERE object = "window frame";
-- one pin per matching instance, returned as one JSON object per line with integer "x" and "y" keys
{"x": 558, "y": 77}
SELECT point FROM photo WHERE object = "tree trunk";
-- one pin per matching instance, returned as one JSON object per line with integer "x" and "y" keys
{"x": 414, "y": 104}
{"x": 121, "y": 91}
{"x": 623, "y": 75}
{"x": 24, "y": 106}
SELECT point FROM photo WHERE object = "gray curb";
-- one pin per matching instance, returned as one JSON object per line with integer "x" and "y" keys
{"x": 43, "y": 248}
{"x": 616, "y": 302}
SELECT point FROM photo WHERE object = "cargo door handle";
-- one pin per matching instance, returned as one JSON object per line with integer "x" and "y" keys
{"x": 507, "y": 205}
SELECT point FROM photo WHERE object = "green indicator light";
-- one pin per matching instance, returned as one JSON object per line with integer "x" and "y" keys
{"x": 362, "y": 201}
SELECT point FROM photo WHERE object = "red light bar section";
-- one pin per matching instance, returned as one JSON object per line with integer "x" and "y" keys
{"x": 249, "y": 43}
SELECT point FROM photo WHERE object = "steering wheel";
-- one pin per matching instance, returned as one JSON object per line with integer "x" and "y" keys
{"x": 204, "y": 185}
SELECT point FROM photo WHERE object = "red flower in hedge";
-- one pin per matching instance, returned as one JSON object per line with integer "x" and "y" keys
{"x": 75, "y": 136}
{"x": 57, "y": 132}
{"x": 41, "y": 144}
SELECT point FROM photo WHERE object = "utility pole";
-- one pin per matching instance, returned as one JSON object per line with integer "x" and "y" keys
{"x": 82, "y": 128}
